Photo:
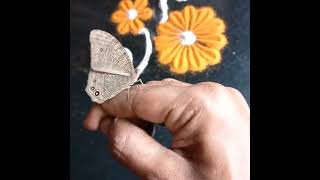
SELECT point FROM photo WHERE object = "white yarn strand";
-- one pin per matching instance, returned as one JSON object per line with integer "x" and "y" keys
{"x": 143, "y": 64}
{"x": 163, "y": 4}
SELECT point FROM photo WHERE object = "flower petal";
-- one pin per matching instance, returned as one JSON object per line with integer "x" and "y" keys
{"x": 219, "y": 25}
{"x": 203, "y": 55}
{"x": 215, "y": 25}
{"x": 204, "y": 14}
{"x": 145, "y": 14}
{"x": 176, "y": 19}
{"x": 118, "y": 16}
{"x": 163, "y": 42}
{"x": 123, "y": 27}
{"x": 213, "y": 56}
{"x": 180, "y": 61}
{"x": 125, "y": 5}
{"x": 135, "y": 26}
{"x": 189, "y": 14}
{"x": 217, "y": 41}
{"x": 166, "y": 55}
{"x": 196, "y": 62}
{"x": 168, "y": 29}
{"x": 140, "y": 4}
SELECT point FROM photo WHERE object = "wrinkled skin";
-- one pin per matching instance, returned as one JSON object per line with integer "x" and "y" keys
{"x": 209, "y": 123}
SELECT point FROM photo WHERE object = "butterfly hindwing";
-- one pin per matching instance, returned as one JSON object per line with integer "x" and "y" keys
{"x": 103, "y": 86}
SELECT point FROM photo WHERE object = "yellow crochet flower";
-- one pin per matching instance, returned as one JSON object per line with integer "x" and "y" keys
{"x": 129, "y": 16}
{"x": 190, "y": 40}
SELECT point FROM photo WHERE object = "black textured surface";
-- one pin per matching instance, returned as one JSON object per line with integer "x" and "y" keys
{"x": 89, "y": 158}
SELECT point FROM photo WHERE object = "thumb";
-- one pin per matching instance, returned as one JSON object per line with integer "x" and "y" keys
{"x": 138, "y": 151}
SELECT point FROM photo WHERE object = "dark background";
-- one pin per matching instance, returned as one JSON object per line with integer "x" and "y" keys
{"x": 89, "y": 158}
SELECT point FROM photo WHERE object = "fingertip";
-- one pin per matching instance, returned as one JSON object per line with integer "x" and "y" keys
{"x": 93, "y": 118}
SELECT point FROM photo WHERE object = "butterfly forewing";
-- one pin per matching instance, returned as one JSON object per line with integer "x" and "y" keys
{"x": 108, "y": 55}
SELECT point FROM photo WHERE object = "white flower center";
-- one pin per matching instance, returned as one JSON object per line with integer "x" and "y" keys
{"x": 132, "y": 14}
{"x": 187, "y": 38}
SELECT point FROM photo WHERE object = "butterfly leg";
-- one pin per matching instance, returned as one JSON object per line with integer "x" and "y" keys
{"x": 140, "y": 81}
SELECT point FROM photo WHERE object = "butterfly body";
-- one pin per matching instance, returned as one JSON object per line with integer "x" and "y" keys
{"x": 112, "y": 70}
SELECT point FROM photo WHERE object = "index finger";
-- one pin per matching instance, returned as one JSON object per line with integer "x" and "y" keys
{"x": 150, "y": 103}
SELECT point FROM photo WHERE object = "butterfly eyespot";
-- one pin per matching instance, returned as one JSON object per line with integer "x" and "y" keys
{"x": 97, "y": 93}
{"x": 101, "y": 49}
{"x": 92, "y": 88}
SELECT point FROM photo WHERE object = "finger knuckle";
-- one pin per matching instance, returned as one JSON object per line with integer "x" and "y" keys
{"x": 234, "y": 90}
{"x": 209, "y": 88}
{"x": 135, "y": 94}
{"x": 153, "y": 82}
{"x": 169, "y": 79}
{"x": 119, "y": 143}
{"x": 206, "y": 94}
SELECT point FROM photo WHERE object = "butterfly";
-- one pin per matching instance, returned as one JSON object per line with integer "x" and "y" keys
{"x": 112, "y": 68}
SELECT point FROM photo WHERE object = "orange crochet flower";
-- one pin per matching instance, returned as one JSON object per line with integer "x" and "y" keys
{"x": 129, "y": 16}
{"x": 190, "y": 40}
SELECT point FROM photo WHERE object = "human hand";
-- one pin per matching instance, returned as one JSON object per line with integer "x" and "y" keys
{"x": 210, "y": 124}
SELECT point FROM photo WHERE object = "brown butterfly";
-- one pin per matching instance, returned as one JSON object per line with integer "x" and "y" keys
{"x": 112, "y": 68}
